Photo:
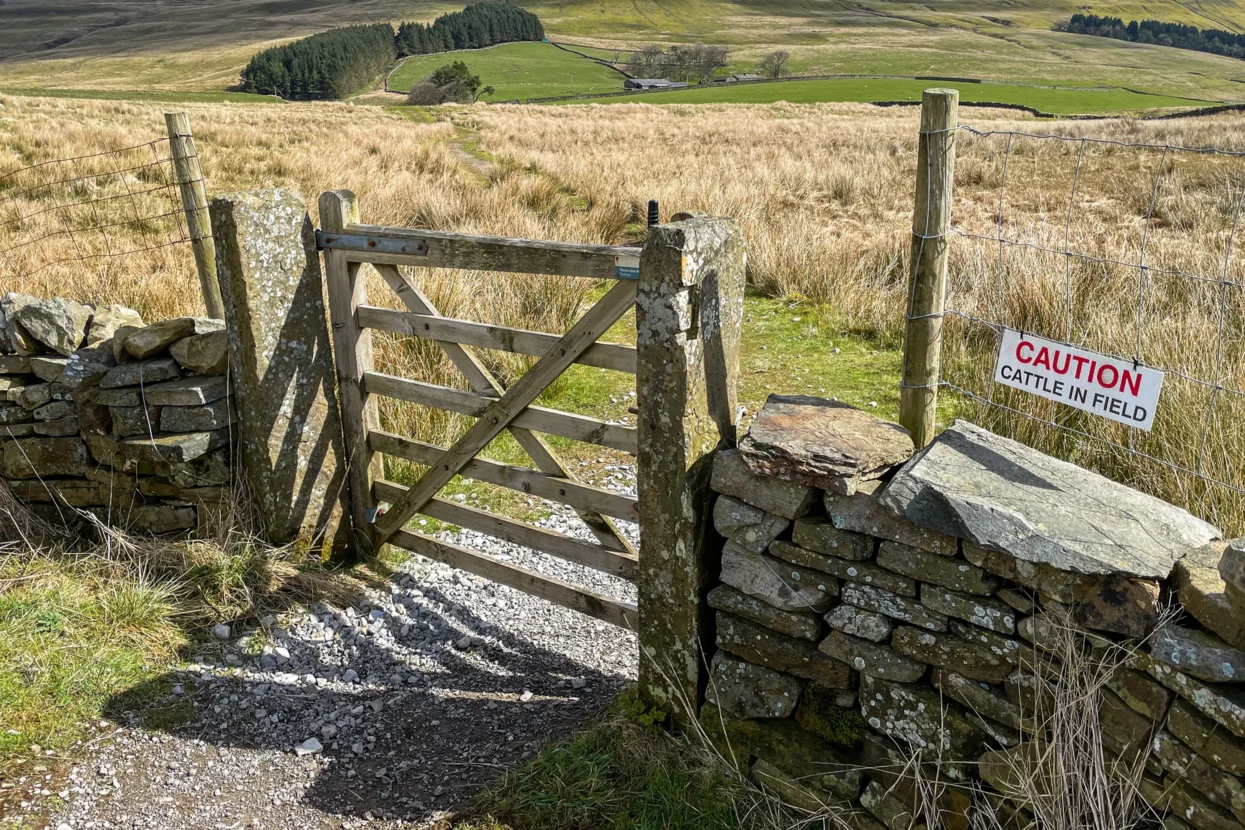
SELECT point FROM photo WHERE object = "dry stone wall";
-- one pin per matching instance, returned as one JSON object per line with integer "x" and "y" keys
{"x": 873, "y": 605}
{"x": 102, "y": 412}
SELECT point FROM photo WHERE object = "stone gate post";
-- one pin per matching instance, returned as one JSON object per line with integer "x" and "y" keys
{"x": 281, "y": 364}
{"x": 689, "y": 310}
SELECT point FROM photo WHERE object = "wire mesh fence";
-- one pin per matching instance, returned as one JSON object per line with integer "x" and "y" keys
{"x": 1124, "y": 248}
{"x": 66, "y": 220}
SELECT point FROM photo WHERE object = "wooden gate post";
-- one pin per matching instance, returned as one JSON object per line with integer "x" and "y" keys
{"x": 689, "y": 309}
{"x": 194, "y": 202}
{"x": 927, "y": 286}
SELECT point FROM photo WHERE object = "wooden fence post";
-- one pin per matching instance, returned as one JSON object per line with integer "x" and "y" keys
{"x": 194, "y": 202}
{"x": 927, "y": 286}
{"x": 689, "y": 308}
{"x": 352, "y": 345}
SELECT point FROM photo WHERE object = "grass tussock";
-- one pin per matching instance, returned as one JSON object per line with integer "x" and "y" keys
{"x": 83, "y": 623}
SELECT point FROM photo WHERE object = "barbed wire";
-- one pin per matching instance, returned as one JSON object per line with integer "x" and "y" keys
{"x": 87, "y": 208}
{"x": 1194, "y": 334}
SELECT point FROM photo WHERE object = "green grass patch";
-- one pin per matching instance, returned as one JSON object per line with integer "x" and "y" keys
{"x": 72, "y": 639}
{"x": 1114, "y": 101}
{"x": 623, "y": 773}
{"x": 518, "y": 70}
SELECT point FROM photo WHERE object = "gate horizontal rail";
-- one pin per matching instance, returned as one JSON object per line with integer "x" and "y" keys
{"x": 438, "y": 249}
{"x": 499, "y": 338}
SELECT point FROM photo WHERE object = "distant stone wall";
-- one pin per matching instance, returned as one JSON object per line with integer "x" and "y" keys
{"x": 101, "y": 412}
{"x": 870, "y": 607}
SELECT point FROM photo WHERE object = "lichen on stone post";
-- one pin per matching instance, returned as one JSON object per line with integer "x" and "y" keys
{"x": 281, "y": 364}
{"x": 688, "y": 316}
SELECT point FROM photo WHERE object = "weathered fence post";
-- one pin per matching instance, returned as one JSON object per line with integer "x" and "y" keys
{"x": 347, "y": 290}
{"x": 689, "y": 308}
{"x": 281, "y": 365}
{"x": 927, "y": 286}
{"x": 195, "y": 204}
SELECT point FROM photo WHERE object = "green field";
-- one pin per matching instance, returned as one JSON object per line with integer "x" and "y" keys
{"x": 518, "y": 70}
{"x": 1052, "y": 101}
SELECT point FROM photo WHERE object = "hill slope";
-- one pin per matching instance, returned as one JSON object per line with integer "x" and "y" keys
{"x": 173, "y": 45}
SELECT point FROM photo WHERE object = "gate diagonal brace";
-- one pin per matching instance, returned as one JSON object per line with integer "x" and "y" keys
{"x": 562, "y": 354}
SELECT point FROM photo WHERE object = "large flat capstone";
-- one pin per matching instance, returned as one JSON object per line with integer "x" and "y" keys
{"x": 822, "y": 444}
{"x": 1005, "y": 496}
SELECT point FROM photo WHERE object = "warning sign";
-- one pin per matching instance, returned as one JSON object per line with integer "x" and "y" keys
{"x": 1114, "y": 389}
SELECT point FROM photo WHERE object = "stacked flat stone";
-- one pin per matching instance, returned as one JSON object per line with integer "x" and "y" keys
{"x": 872, "y": 605}
{"x": 100, "y": 412}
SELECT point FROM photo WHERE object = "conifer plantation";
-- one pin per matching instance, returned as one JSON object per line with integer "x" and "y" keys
{"x": 326, "y": 66}
{"x": 476, "y": 26}
{"x": 1178, "y": 35}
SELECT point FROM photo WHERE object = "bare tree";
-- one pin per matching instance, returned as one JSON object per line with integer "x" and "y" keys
{"x": 774, "y": 65}
{"x": 648, "y": 62}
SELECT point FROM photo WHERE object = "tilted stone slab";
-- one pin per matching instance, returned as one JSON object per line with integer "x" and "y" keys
{"x": 175, "y": 448}
{"x": 48, "y": 368}
{"x": 57, "y": 323}
{"x": 45, "y": 457}
{"x": 203, "y": 354}
{"x": 1221, "y": 703}
{"x": 918, "y": 716}
{"x": 779, "y": 583}
{"x": 983, "y": 699}
{"x": 1141, "y": 693}
{"x": 954, "y": 573}
{"x": 732, "y": 477}
{"x": 802, "y": 626}
{"x": 153, "y": 339}
{"x": 867, "y": 625}
{"x": 1198, "y": 654}
{"x": 53, "y": 410}
{"x": 863, "y": 513}
{"x": 281, "y": 362}
{"x": 107, "y": 319}
{"x": 1207, "y": 738}
{"x": 749, "y": 527}
{"x": 866, "y": 573}
{"x": 143, "y": 373}
{"x": 786, "y": 654}
{"x": 893, "y": 606}
{"x": 750, "y": 691}
{"x": 1232, "y": 565}
{"x": 870, "y": 658}
{"x": 1192, "y": 807}
{"x": 818, "y": 533}
{"x": 950, "y": 652}
{"x": 1217, "y": 786}
{"x": 1006, "y": 647}
{"x": 14, "y": 415}
{"x": 1203, "y": 594}
{"x": 994, "y": 616}
{"x": 1004, "y": 496}
{"x": 822, "y": 444}
{"x": 87, "y": 367}
{"x": 20, "y": 341}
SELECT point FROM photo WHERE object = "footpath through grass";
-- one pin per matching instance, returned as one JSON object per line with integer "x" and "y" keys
{"x": 518, "y": 70}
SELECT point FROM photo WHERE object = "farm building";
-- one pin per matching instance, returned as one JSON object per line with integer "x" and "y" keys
{"x": 652, "y": 83}
{"x": 741, "y": 77}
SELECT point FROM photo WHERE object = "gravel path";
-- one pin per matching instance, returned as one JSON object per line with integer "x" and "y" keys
{"x": 384, "y": 715}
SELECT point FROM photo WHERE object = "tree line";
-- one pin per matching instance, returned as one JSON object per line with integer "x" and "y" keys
{"x": 326, "y": 66}
{"x": 1178, "y": 35}
{"x": 476, "y": 26}
{"x": 332, "y": 64}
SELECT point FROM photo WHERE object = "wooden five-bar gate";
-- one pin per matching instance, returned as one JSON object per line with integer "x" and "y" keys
{"x": 687, "y": 286}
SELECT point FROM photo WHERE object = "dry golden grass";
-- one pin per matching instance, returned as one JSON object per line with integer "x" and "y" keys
{"x": 824, "y": 196}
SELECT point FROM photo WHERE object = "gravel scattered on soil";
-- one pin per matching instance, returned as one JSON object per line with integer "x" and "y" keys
{"x": 383, "y": 715}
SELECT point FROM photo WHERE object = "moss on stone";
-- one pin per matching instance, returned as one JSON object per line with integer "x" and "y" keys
{"x": 837, "y": 725}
